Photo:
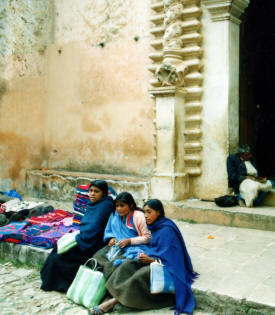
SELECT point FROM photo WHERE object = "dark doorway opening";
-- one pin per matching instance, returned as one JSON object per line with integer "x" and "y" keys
{"x": 257, "y": 83}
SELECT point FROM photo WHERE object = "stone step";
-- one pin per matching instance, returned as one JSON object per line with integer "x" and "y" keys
{"x": 60, "y": 185}
{"x": 197, "y": 211}
{"x": 236, "y": 267}
{"x": 269, "y": 199}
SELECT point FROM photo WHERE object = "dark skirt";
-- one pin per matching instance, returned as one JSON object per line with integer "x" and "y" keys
{"x": 129, "y": 283}
{"x": 59, "y": 270}
{"x": 107, "y": 267}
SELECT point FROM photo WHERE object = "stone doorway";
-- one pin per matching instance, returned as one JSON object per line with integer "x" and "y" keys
{"x": 257, "y": 82}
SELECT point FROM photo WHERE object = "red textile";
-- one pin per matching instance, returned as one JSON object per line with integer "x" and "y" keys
{"x": 53, "y": 216}
{"x": 12, "y": 240}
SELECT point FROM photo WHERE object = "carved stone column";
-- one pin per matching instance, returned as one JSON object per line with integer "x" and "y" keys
{"x": 177, "y": 89}
{"x": 221, "y": 35}
{"x": 225, "y": 30}
{"x": 169, "y": 181}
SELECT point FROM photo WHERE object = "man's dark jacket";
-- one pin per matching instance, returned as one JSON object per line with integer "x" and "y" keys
{"x": 236, "y": 171}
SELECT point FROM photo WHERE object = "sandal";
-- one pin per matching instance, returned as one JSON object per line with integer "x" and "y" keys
{"x": 96, "y": 311}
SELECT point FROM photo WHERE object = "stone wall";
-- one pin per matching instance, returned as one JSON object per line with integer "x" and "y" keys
{"x": 73, "y": 87}
{"x": 25, "y": 33}
{"x": 99, "y": 114}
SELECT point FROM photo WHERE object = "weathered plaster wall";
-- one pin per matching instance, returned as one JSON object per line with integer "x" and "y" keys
{"x": 73, "y": 87}
{"x": 99, "y": 113}
{"x": 25, "y": 31}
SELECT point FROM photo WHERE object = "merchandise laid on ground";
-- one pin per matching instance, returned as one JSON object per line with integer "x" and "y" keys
{"x": 236, "y": 267}
{"x": 32, "y": 223}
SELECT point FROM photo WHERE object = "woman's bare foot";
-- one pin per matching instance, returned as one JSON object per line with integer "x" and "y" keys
{"x": 103, "y": 307}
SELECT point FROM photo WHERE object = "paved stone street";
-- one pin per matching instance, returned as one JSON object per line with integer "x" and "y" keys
{"x": 20, "y": 294}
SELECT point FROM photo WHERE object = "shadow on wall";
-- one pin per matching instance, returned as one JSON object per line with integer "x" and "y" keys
{"x": 3, "y": 88}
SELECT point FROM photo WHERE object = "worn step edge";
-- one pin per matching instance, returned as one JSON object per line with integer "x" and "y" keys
{"x": 223, "y": 304}
{"x": 250, "y": 218}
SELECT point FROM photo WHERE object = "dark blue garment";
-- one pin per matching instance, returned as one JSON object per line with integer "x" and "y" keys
{"x": 93, "y": 223}
{"x": 168, "y": 245}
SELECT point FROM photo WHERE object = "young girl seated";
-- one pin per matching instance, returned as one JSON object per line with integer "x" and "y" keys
{"x": 126, "y": 228}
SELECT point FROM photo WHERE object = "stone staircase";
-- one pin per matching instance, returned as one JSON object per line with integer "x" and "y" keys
{"x": 207, "y": 212}
{"x": 60, "y": 185}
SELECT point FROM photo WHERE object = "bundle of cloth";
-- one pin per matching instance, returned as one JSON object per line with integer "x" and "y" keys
{"x": 15, "y": 210}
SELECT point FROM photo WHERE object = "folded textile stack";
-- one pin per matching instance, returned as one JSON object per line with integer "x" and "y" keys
{"x": 80, "y": 203}
{"x": 82, "y": 199}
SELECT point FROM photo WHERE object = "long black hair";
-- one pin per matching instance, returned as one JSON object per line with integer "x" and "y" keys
{"x": 127, "y": 198}
{"x": 156, "y": 205}
{"x": 101, "y": 184}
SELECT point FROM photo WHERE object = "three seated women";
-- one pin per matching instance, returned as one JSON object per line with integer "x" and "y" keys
{"x": 141, "y": 237}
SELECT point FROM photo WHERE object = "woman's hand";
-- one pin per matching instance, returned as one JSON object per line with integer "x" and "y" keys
{"x": 123, "y": 243}
{"x": 145, "y": 259}
{"x": 112, "y": 242}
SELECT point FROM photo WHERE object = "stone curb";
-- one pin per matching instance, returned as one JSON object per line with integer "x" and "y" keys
{"x": 32, "y": 256}
{"x": 226, "y": 305}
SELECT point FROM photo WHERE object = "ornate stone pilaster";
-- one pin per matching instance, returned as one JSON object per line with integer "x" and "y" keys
{"x": 177, "y": 86}
{"x": 226, "y": 9}
{"x": 221, "y": 36}
{"x": 226, "y": 30}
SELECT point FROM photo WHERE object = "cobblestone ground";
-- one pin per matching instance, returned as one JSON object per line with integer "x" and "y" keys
{"x": 20, "y": 294}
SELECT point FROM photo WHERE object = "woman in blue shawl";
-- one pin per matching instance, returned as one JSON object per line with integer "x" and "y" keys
{"x": 125, "y": 233}
{"x": 59, "y": 270}
{"x": 129, "y": 284}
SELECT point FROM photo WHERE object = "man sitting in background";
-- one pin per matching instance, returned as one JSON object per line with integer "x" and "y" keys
{"x": 243, "y": 178}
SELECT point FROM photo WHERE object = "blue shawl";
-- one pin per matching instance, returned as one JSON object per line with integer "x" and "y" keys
{"x": 93, "y": 223}
{"x": 168, "y": 245}
{"x": 117, "y": 228}
{"x": 120, "y": 228}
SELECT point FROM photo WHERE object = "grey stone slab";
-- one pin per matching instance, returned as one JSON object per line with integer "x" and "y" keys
{"x": 269, "y": 251}
{"x": 196, "y": 252}
{"x": 259, "y": 267}
{"x": 270, "y": 280}
{"x": 263, "y": 294}
{"x": 217, "y": 253}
